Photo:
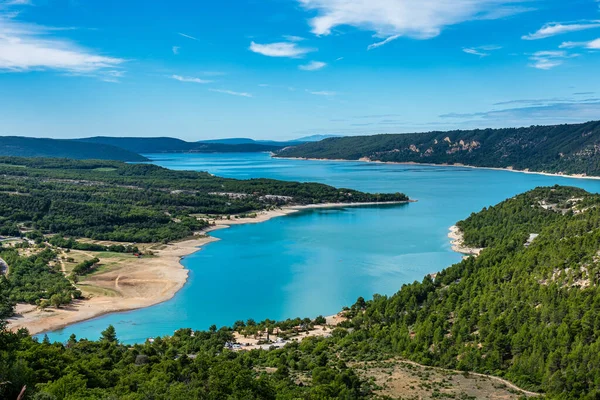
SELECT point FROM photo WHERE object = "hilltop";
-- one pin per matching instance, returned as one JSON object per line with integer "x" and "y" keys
{"x": 58, "y": 148}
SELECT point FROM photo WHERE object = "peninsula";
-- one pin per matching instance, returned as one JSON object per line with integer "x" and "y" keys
{"x": 105, "y": 236}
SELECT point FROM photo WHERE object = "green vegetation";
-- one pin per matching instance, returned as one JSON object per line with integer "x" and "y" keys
{"x": 31, "y": 279}
{"x": 189, "y": 365}
{"x": 569, "y": 149}
{"x": 109, "y": 200}
{"x": 56, "y": 148}
{"x": 525, "y": 309}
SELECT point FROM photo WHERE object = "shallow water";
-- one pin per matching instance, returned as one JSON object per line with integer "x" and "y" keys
{"x": 316, "y": 261}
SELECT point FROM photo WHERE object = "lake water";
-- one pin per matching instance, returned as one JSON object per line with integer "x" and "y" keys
{"x": 317, "y": 261}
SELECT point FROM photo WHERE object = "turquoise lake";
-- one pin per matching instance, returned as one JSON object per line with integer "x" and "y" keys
{"x": 316, "y": 261}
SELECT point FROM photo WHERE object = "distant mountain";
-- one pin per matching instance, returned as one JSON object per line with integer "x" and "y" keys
{"x": 315, "y": 138}
{"x": 252, "y": 141}
{"x": 171, "y": 145}
{"x": 63, "y": 148}
{"x": 569, "y": 149}
{"x": 229, "y": 141}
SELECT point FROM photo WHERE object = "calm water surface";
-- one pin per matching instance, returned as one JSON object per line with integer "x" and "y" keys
{"x": 317, "y": 261}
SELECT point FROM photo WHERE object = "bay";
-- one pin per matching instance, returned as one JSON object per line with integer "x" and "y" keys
{"x": 316, "y": 261}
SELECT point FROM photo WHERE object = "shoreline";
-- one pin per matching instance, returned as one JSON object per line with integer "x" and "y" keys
{"x": 133, "y": 286}
{"x": 458, "y": 244}
{"x": 508, "y": 169}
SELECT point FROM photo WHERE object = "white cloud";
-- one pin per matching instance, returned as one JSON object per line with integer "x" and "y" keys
{"x": 322, "y": 93}
{"x": 592, "y": 45}
{"x": 421, "y": 19}
{"x": 26, "y": 47}
{"x": 555, "y": 28}
{"x": 189, "y": 79}
{"x": 280, "y": 49}
{"x": 186, "y": 36}
{"x": 475, "y": 52}
{"x": 481, "y": 51}
{"x": 292, "y": 38}
{"x": 176, "y": 50}
{"x": 313, "y": 66}
{"x": 339, "y": 59}
{"x": 382, "y": 43}
{"x": 549, "y": 59}
{"x": 231, "y": 92}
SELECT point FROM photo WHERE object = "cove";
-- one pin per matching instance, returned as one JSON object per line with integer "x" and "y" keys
{"x": 316, "y": 261}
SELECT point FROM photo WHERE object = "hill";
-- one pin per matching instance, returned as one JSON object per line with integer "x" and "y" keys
{"x": 55, "y": 148}
{"x": 171, "y": 145}
{"x": 569, "y": 149}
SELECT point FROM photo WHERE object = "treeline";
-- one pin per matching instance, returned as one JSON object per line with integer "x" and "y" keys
{"x": 188, "y": 365}
{"x": 108, "y": 200}
{"x": 569, "y": 149}
{"x": 70, "y": 243}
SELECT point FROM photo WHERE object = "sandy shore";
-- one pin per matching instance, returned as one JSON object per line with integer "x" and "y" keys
{"x": 458, "y": 245}
{"x": 131, "y": 283}
{"x": 509, "y": 169}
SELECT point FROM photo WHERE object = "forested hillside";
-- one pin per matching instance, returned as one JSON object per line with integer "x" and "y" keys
{"x": 524, "y": 309}
{"x": 569, "y": 149}
{"x": 112, "y": 200}
{"x": 34, "y": 147}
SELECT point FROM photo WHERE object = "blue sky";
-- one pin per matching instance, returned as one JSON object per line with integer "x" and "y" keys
{"x": 281, "y": 69}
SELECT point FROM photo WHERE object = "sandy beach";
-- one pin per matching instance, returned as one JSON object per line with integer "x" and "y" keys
{"x": 130, "y": 283}
{"x": 458, "y": 245}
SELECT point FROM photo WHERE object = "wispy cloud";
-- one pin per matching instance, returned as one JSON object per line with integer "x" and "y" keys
{"x": 556, "y": 28}
{"x": 231, "y": 92}
{"x": 417, "y": 19}
{"x": 591, "y": 45}
{"x": 383, "y": 42}
{"x": 190, "y": 79}
{"x": 175, "y": 49}
{"x": 548, "y": 113}
{"x": 187, "y": 36}
{"x": 280, "y": 49}
{"x": 27, "y": 47}
{"x": 339, "y": 59}
{"x": 313, "y": 66}
{"x": 15, "y": 3}
{"x": 481, "y": 51}
{"x": 549, "y": 59}
{"x": 292, "y": 38}
{"x": 322, "y": 93}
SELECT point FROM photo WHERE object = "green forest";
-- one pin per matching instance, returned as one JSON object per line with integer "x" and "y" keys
{"x": 525, "y": 309}
{"x": 569, "y": 149}
{"x": 111, "y": 200}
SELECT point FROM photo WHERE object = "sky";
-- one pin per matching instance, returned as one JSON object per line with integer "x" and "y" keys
{"x": 283, "y": 69}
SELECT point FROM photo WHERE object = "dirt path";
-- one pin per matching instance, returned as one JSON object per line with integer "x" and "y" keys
{"x": 494, "y": 378}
